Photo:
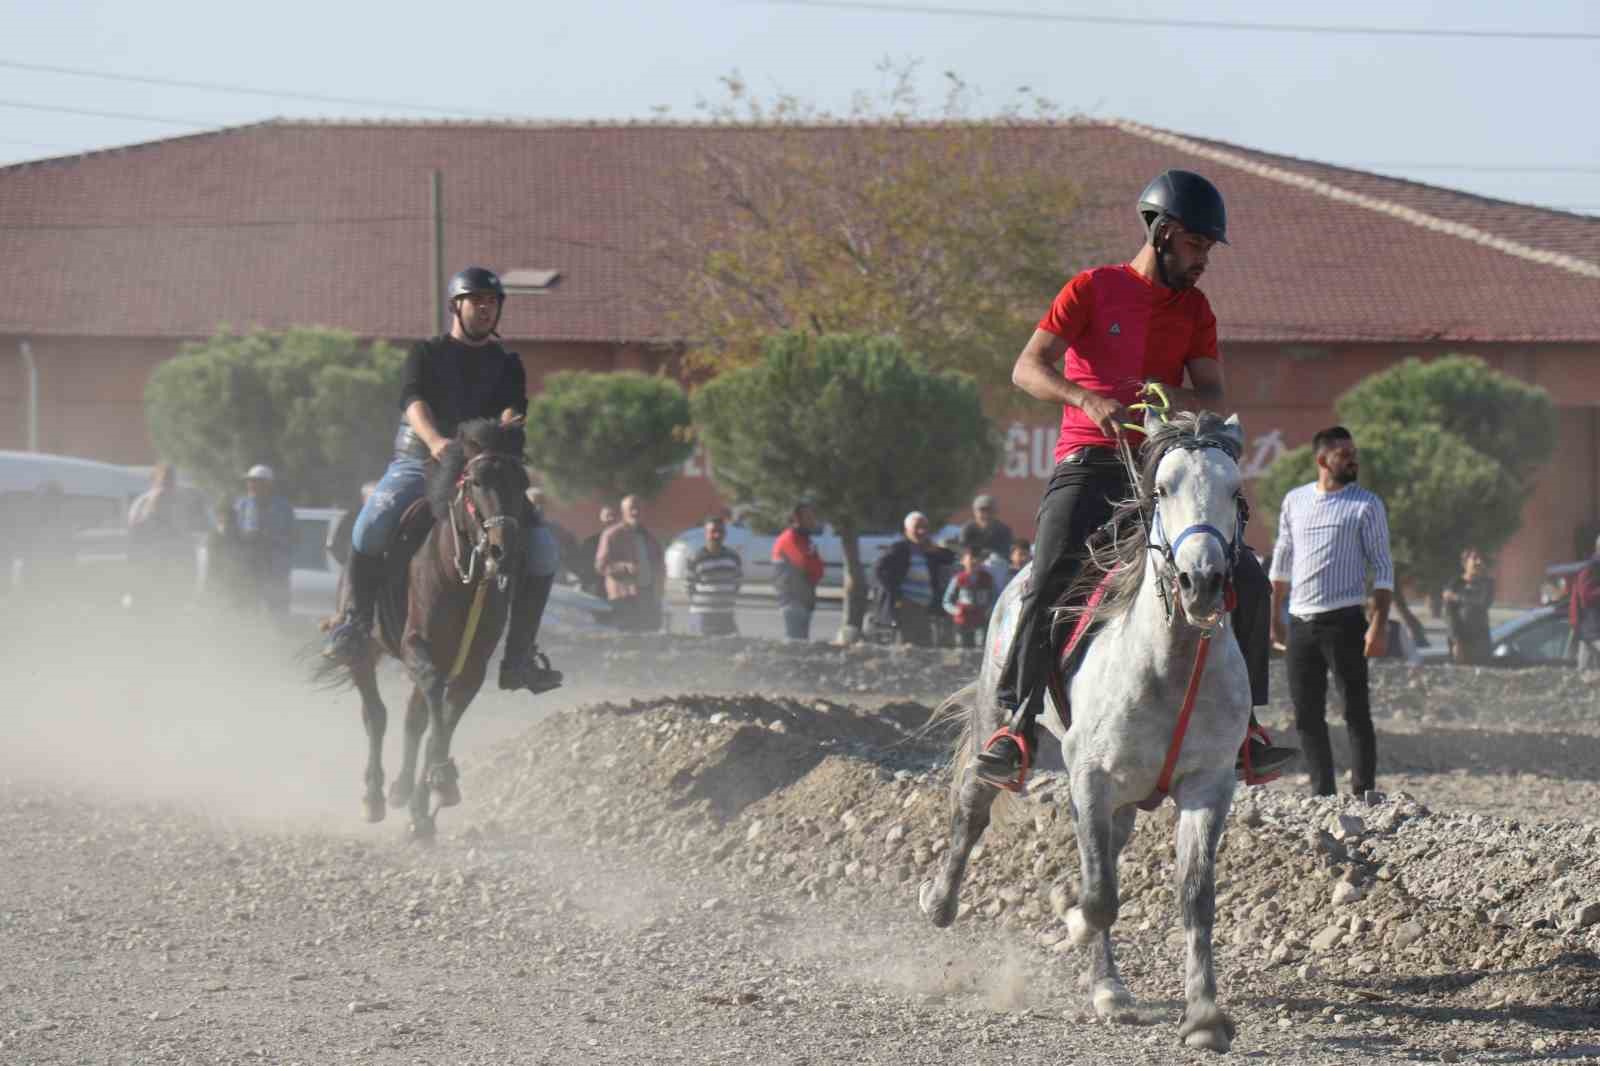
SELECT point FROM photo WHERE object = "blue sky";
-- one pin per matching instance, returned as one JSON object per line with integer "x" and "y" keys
{"x": 1500, "y": 116}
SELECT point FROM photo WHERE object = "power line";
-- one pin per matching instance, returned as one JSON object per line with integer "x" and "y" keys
{"x": 220, "y": 87}
{"x": 1479, "y": 168}
{"x": 1189, "y": 24}
{"x": 191, "y": 123}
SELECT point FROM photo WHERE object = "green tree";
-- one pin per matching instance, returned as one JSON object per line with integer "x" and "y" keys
{"x": 854, "y": 423}
{"x": 948, "y": 234}
{"x": 1451, "y": 446}
{"x": 318, "y": 405}
{"x": 608, "y": 434}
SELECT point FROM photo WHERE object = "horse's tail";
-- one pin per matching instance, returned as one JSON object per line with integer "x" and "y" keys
{"x": 961, "y": 705}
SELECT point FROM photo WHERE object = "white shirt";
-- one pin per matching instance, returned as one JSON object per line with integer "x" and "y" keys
{"x": 1328, "y": 542}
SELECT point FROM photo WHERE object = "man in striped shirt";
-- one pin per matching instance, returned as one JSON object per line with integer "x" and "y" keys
{"x": 713, "y": 578}
{"x": 1332, "y": 535}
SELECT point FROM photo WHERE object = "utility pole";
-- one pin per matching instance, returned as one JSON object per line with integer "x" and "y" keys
{"x": 437, "y": 209}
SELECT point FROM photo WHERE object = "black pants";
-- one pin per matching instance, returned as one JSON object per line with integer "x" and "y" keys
{"x": 1083, "y": 492}
{"x": 1333, "y": 640}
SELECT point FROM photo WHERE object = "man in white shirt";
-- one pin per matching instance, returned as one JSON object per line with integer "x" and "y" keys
{"x": 1332, "y": 535}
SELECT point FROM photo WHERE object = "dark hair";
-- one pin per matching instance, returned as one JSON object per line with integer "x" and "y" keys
{"x": 1020, "y": 543}
{"x": 718, "y": 519}
{"x": 1328, "y": 438}
{"x": 473, "y": 439}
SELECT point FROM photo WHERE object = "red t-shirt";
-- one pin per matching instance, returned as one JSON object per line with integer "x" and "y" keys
{"x": 1122, "y": 329}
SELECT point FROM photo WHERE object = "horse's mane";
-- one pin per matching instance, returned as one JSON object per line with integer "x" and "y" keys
{"x": 1119, "y": 547}
{"x": 472, "y": 439}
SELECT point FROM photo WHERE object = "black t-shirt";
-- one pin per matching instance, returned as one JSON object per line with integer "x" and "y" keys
{"x": 460, "y": 382}
{"x": 997, "y": 538}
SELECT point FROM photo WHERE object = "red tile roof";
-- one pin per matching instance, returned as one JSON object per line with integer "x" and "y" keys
{"x": 289, "y": 222}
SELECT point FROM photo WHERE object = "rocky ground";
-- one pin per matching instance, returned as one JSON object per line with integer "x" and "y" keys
{"x": 711, "y": 855}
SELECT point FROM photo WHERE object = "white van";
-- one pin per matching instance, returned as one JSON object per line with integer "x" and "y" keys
{"x": 97, "y": 495}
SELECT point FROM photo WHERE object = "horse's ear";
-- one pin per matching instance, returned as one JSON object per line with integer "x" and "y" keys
{"x": 1234, "y": 431}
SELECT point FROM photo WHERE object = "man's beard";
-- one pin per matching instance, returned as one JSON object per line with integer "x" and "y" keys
{"x": 1347, "y": 475}
{"x": 1171, "y": 276}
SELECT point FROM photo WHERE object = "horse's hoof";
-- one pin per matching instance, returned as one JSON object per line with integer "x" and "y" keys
{"x": 445, "y": 780}
{"x": 373, "y": 806}
{"x": 1113, "y": 1003}
{"x": 400, "y": 792}
{"x": 1078, "y": 929}
{"x": 938, "y": 910}
{"x": 1207, "y": 1028}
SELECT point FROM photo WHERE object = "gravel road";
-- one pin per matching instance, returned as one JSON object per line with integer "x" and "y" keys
{"x": 711, "y": 855}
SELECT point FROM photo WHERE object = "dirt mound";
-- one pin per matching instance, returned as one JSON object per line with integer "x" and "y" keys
{"x": 831, "y": 801}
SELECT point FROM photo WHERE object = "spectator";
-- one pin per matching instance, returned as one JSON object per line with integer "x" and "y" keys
{"x": 589, "y": 579}
{"x": 1021, "y": 555}
{"x": 266, "y": 531}
{"x": 907, "y": 574}
{"x": 1331, "y": 533}
{"x": 796, "y": 572}
{"x": 1466, "y": 606}
{"x": 160, "y": 541}
{"x": 970, "y": 597}
{"x": 633, "y": 565}
{"x": 227, "y": 581}
{"x": 1583, "y": 612}
{"x": 985, "y": 531}
{"x": 713, "y": 578}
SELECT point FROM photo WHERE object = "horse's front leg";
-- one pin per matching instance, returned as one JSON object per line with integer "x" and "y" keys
{"x": 427, "y": 705}
{"x": 416, "y": 725}
{"x": 1106, "y": 991}
{"x": 1203, "y": 801}
{"x": 375, "y": 718}
{"x": 443, "y": 777}
{"x": 1096, "y": 910}
{"x": 940, "y": 896}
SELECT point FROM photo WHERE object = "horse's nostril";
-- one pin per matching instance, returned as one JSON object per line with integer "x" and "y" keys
{"x": 494, "y": 551}
{"x": 1183, "y": 582}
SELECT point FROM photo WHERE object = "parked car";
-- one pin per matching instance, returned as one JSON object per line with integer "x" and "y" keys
{"x": 1536, "y": 637}
{"x": 756, "y": 551}
{"x": 314, "y": 577}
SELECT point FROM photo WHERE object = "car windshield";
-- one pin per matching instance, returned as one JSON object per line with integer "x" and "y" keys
{"x": 310, "y": 536}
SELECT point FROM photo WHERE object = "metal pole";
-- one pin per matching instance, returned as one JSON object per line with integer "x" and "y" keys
{"x": 437, "y": 201}
{"x": 31, "y": 368}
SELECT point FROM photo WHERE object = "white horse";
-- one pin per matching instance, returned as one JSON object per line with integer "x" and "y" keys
{"x": 1125, "y": 701}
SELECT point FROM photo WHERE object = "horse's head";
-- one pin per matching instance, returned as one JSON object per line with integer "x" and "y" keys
{"x": 480, "y": 488}
{"x": 1192, "y": 485}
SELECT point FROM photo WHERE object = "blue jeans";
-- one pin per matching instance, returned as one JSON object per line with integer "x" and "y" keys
{"x": 403, "y": 484}
{"x": 797, "y": 623}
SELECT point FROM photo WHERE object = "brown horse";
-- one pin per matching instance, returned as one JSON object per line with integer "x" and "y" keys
{"x": 441, "y": 611}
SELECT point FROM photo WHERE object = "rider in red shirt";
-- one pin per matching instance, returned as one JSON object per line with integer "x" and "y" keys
{"x": 1110, "y": 331}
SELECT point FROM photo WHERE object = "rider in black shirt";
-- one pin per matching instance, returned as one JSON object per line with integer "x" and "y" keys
{"x": 448, "y": 380}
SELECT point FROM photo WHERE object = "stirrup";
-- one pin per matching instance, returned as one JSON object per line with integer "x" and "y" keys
{"x": 347, "y": 641}
{"x": 1246, "y": 769}
{"x": 1018, "y": 783}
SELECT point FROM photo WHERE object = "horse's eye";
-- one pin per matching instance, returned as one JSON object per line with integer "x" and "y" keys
{"x": 1161, "y": 492}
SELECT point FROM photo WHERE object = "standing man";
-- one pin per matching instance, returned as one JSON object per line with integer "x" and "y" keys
{"x": 266, "y": 529}
{"x": 589, "y": 578}
{"x": 1110, "y": 331}
{"x": 713, "y": 578}
{"x": 1333, "y": 534}
{"x": 986, "y": 532}
{"x": 635, "y": 569}
{"x": 446, "y": 381}
{"x": 796, "y": 572}
{"x": 910, "y": 574}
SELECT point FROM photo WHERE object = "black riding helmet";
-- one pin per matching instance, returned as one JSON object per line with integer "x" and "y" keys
{"x": 1189, "y": 199}
{"x": 468, "y": 282}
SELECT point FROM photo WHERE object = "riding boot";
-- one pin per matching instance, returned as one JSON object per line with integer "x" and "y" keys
{"x": 524, "y": 665}
{"x": 347, "y": 641}
{"x": 1260, "y": 760}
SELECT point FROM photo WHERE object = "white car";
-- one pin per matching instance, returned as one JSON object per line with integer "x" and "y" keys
{"x": 756, "y": 551}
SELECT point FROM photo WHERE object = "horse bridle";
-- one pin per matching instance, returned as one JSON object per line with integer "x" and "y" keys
{"x": 1167, "y": 549}
{"x": 468, "y": 571}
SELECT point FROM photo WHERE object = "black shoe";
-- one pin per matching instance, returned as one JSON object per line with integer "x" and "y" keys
{"x": 532, "y": 672}
{"x": 1266, "y": 760}
{"x": 1000, "y": 764}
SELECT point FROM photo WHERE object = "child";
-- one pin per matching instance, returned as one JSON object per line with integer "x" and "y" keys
{"x": 970, "y": 597}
